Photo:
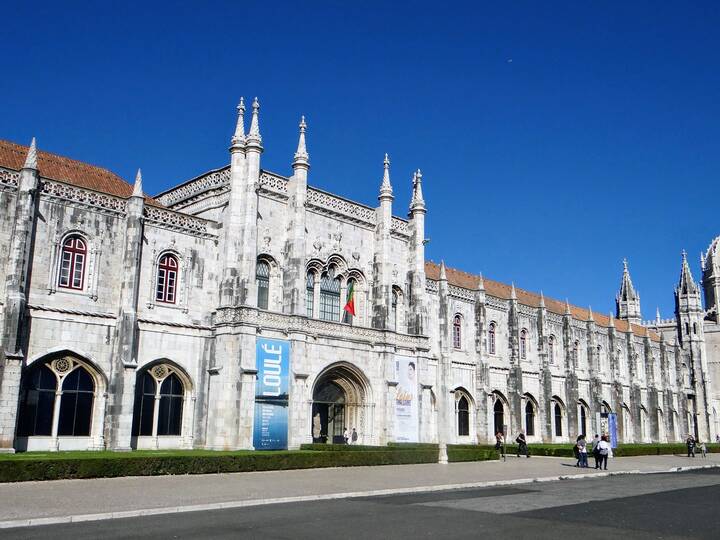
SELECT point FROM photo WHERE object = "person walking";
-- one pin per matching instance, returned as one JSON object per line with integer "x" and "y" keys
{"x": 522, "y": 445}
{"x": 690, "y": 442}
{"x": 582, "y": 452}
{"x": 354, "y": 436}
{"x": 703, "y": 450}
{"x": 346, "y": 436}
{"x": 604, "y": 451}
{"x": 596, "y": 450}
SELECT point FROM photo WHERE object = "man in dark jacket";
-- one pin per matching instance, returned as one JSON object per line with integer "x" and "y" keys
{"x": 522, "y": 445}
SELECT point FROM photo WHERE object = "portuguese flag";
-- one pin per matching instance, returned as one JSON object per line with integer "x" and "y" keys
{"x": 350, "y": 306}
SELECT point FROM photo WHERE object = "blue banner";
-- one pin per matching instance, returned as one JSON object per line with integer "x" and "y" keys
{"x": 612, "y": 428}
{"x": 272, "y": 357}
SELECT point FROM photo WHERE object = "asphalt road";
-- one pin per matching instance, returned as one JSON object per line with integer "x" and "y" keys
{"x": 677, "y": 505}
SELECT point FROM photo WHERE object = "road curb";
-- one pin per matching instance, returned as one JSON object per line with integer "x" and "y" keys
{"x": 77, "y": 518}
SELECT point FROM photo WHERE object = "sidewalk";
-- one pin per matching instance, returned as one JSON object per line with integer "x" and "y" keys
{"x": 75, "y": 500}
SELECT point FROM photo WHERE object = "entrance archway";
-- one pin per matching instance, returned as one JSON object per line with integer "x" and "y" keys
{"x": 339, "y": 403}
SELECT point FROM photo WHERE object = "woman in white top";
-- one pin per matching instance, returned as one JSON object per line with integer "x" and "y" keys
{"x": 605, "y": 451}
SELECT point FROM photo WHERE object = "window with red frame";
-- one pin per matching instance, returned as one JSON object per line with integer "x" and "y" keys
{"x": 166, "y": 279}
{"x": 457, "y": 332}
{"x": 72, "y": 263}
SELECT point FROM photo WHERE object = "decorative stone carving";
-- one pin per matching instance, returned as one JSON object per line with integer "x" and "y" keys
{"x": 9, "y": 178}
{"x": 177, "y": 221}
{"x": 206, "y": 182}
{"x": 66, "y": 192}
{"x": 324, "y": 203}
{"x": 62, "y": 365}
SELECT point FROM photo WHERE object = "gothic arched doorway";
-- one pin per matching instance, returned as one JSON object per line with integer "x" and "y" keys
{"x": 339, "y": 403}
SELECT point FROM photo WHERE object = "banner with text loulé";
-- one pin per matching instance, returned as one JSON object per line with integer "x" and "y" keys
{"x": 406, "y": 400}
{"x": 271, "y": 394}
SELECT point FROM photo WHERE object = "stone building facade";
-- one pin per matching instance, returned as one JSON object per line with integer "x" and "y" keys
{"x": 131, "y": 321}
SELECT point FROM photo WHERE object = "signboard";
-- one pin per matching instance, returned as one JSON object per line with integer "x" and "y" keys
{"x": 272, "y": 358}
{"x": 607, "y": 423}
{"x": 406, "y": 400}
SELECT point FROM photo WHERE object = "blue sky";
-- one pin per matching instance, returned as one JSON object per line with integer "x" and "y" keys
{"x": 554, "y": 138}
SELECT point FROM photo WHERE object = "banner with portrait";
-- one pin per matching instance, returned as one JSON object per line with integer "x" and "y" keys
{"x": 406, "y": 400}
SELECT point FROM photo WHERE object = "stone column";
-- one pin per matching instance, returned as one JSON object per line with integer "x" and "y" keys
{"x": 17, "y": 284}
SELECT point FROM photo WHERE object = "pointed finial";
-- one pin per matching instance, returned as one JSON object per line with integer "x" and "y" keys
{"x": 31, "y": 159}
{"x": 253, "y": 136}
{"x": 513, "y": 294}
{"x": 625, "y": 264}
{"x": 542, "y": 299}
{"x": 239, "y": 136}
{"x": 481, "y": 283}
{"x": 301, "y": 155}
{"x": 137, "y": 188}
{"x": 386, "y": 190}
{"x": 657, "y": 315}
{"x": 417, "y": 203}
{"x": 590, "y": 314}
{"x": 611, "y": 324}
{"x": 567, "y": 307}
{"x": 443, "y": 273}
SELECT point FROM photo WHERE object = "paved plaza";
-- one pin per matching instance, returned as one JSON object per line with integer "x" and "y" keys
{"x": 61, "y": 501}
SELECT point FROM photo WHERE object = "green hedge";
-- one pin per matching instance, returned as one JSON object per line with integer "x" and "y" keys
{"x": 55, "y": 469}
{"x": 623, "y": 450}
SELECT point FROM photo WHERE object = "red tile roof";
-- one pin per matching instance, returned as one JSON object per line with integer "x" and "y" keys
{"x": 501, "y": 290}
{"x": 70, "y": 171}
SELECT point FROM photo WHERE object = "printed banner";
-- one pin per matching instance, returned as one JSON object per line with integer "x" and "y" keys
{"x": 406, "y": 400}
{"x": 270, "y": 431}
{"x": 607, "y": 424}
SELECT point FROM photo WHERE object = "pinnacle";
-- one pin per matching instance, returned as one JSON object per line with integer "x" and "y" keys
{"x": 239, "y": 136}
{"x": 386, "y": 189}
{"x": 31, "y": 159}
{"x": 254, "y": 133}
{"x": 513, "y": 294}
{"x": 137, "y": 188}
{"x": 443, "y": 273}
{"x": 301, "y": 155}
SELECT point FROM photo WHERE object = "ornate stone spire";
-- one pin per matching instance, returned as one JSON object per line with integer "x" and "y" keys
{"x": 481, "y": 283}
{"x": 657, "y": 315}
{"x": 386, "y": 190}
{"x": 301, "y": 155}
{"x": 567, "y": 307}
{"x": 542, "y": 300}
{"x": 239, "y": 136}
{"x": 417, "y": 203}
{"x": 31, "y": 159}
{"x": 513, "y": 294}
{"x": 137, "y": 188}
{"x": 253, "y": 136}
{"x": 443, "y": 273}
{"x": 627, "y": 300}
{"x": 590, "y": 314}
{"x": 611, "y": 323}
{"x": 687, "y": 284}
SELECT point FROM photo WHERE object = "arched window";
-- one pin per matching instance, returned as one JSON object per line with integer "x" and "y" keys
{"x": 463, "y": 417}
{"x": 529, "y": 418}
{"x": 78, "y": 390}
{"x": 491, "y": 338}
{"x": 394, "y": 310}
{"x": 583, "y": 420}
{"x": 499, "y": 415}
{"x": 457, "y": 332}
{"x": 329, "y": 297}
{"x": 39, "y": 397}
{"x": 310, "y": 293}
{"x": 551, "y": 349}
{"x": 159, "y": 393}
{"x": 576, "y": 353}
{"x": 523, "y": 344}
{"x": 166, "y": 279}
{"x": 72, "y": 263}
{"x": 172, "y": 395}
{"x": 558, "y": 420}
{"x": 694, "y": 328}
{"x": 262, "y": 280}
{"x": 37, "y": 401}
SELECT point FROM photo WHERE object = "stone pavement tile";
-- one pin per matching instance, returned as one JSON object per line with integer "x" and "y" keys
{"x": 72, "y": 497}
